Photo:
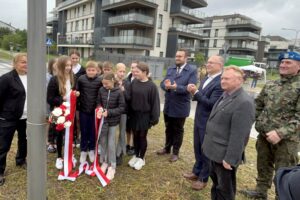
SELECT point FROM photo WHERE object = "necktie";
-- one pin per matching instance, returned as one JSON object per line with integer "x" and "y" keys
{"x": 223, "y": 97}
{"x": 177, "y": 70}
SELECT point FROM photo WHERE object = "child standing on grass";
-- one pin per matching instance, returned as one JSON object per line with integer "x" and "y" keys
{"x": 58, "y": 88}
{"x": 88, "y": 85}
{"x": 111, "y": 99}
{"x": 123, "y": 84}
{"x": 145, "y": 105}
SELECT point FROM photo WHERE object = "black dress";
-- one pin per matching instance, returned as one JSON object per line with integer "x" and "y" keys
{"x": 144, "y": 104}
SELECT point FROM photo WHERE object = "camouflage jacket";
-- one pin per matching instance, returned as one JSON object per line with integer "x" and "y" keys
{"x": 278, "y": 108}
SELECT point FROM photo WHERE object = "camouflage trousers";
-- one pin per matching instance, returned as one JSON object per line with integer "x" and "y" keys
{"x": 272, "y": 157}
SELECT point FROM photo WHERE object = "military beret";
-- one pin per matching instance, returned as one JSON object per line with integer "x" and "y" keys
{"x": 289, "y": 55}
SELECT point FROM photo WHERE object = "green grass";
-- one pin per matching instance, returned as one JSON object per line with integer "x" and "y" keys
{"x": 159, "y": 179}
{"x": 5, "y": 55}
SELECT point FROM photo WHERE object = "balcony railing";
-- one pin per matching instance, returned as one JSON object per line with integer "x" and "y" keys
{"x": 188, "y": 46}
{"x": 193, "y": 12}
{"x": 244, "y": 46}
{"x": 188, "y": 29}
{"x": 131, "y": 17}
{"x": 237, "y": 22}
{"x": 75, "y": 40}
{"x": 121, "y": 40}
{"x": 110, "y": 2}
{"x": 65, "y": 3}
{"x": 242, "y": 34}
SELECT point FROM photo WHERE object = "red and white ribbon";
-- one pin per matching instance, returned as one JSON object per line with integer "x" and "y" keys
{"x": 94, "y": 169}
{"x": 67, "y": 174}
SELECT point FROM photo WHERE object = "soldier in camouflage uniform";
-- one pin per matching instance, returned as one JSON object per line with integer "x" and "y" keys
{"x": 278, "y": 124}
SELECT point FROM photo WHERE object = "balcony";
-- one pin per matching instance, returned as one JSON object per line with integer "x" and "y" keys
{"x": 242, "y": 35}
{"x": 190, "y": 47}
{"x": 71, "y": 3}
{"x": 243, "y": 47}
{"x": 244, "y": 24}
{"x": 66, "y": 40}
{"x": 129, "y": 41}
{"x": 127, "y": 4}
{"x": 191, "y": 15}
{"x": 132, "y": 19}
{"x": 188, "y": 31}
{"x": 195, "y": 3}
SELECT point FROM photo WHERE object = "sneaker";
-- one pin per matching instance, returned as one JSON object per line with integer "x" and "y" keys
{"x": 132, "y": 161}
{"x": 59, "y": 163}
{"x": 131, "y": 151}
{"x": 51, "y": 149}
{"x": 139, "y": 164}
{"x": 104, "y": 167}
{"x": 74, "y": 161}
{"x": 92, "y": 155}
{"x": 83, "y": 156}
{"x": 110, "y": 173}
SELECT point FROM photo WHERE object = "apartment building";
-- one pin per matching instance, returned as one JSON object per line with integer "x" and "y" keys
{"x": 132, "y": 27}
{"x": 237, "y": 34}
{"x": 278, "y": 44}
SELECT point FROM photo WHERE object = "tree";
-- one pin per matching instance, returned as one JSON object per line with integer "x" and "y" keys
{"x": 18, "y": 40}
{"x": 199, "y": 59}
{"x": 4, "y": 31}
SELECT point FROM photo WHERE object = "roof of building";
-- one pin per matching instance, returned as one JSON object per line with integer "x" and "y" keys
{"x": 229, "y": 16}
{"x": 276, "y": 38}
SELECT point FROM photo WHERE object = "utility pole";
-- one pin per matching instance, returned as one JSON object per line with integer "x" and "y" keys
{"x": 36, "y": 100}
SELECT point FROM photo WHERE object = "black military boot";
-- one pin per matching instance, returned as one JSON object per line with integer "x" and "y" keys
{"x": 253, "y": 194}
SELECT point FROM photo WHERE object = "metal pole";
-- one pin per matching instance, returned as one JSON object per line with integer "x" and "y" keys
{"x": 36, "y": 97}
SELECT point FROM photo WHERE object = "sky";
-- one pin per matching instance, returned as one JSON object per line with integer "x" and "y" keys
{"x": 272, "y": 14}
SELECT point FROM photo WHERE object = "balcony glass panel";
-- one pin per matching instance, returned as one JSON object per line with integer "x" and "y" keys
{"x": 128, "y": 40}
{"x": 243, "y": 34}
{"x": 245, "y": 46}
{"x": 110, "y": 2}
{"x": 193, "y": 12}
{"x": 131, "y": 17}
{"x": 236, "y": 22}
{"x": 189, "y": 29}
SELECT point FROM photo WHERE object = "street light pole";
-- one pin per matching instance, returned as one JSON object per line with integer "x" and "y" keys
{"x": 296, "y": 37}
{"x": 36, "y": 100}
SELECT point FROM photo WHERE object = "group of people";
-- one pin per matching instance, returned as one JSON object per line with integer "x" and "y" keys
{"x": 222, "y": 124}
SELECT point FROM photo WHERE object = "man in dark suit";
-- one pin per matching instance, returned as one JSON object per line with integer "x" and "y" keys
{"x": 177, "y": 102}
{"x": 13, "y": 112}
{"x": 227, "y": 130}
{"x": 206, "y": 96}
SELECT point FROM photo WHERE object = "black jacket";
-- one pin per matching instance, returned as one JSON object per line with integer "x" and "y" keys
{"x": 88, "y": 88}
{"x": 113, "y": 102}
{"x": 54, "y": 98}
{"x": 12, "y": 96}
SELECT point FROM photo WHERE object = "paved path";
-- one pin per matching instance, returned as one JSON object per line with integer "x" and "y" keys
{"x": 4, "y": 67}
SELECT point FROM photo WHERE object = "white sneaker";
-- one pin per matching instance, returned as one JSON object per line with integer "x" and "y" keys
{"x": 104, "y": 167}
{"x": 132, "y": 161}
{"x": 74, "y": 161}
{"x": 83, "y": 156}
{"x": 110, "y": 173}
{"x": 59, "y": 163}
{"x": 139, "y": 164}
{"x": 92, "y": 156}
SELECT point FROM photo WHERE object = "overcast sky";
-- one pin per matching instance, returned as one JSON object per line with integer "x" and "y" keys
{"x": 272, "y": 14}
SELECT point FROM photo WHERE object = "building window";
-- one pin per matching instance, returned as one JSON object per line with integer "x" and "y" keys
{"x": 82, "y": 24}
{"x": 91, "y": 8}
{"x": 160, "y": 21}
{"x": 83, "y": 9}
{"x": 121, "y": 51}
{"x": 86, "y": 24}
{"x": 166, "y": 5}
{"x": 76, "y": 25}
{"x": 158, "y": 38}
{"x": 92, "y": 24}
{"x": 147, "y": 53}
{"x": 161, "y": 54}
{"x": 216, "y": 32}
{"x": 215, "y": 43}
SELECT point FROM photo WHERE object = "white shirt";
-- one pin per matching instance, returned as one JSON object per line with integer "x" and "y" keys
{"x": 76, "y": 68}
{"x": 210, "y": 78}
{"x": 68, "y": 87}
{"x": 181, "y": 68}
{"x": 24, "y": 82}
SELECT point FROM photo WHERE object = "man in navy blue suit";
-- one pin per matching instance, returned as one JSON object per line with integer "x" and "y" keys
{"x": 177, "y": 102}
{"x": 206, "y": 95}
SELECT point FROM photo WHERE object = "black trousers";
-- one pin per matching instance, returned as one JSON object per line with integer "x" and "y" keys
{"x": 224, "y": 182}
{"x": 174, "y": 133}
{"x": 7, "y": 132}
